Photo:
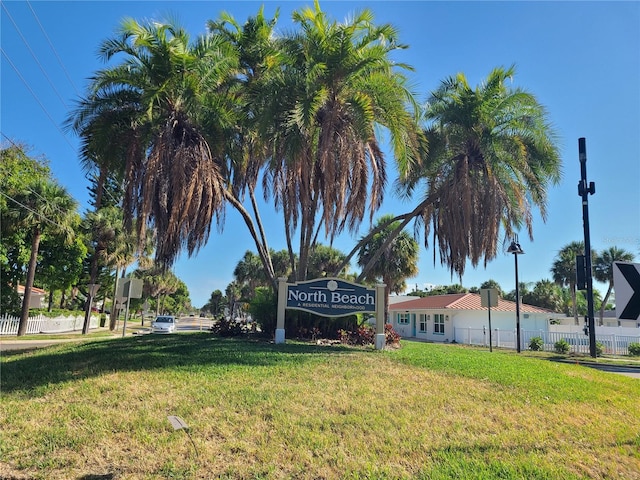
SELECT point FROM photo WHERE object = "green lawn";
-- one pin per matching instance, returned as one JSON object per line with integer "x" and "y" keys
{"x": 98, "y": 410}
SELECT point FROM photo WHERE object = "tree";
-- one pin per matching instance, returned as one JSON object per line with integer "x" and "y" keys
{"x": 603, "y": 270}
{"x": 172, "y": 172}
{"x": 216, "y": 304}
{"x": 397, "y": 263}
{"x": 335, "y": 87}
{"x": 563, "y": 271}
{"x": 545, "y": 294}
{"x": 18, "y": 170}
{"x": 40, "y": 207}
{"x": 489, "y": 157}
{"x": 493, "y": 284}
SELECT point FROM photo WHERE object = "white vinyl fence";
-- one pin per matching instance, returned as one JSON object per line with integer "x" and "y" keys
{"x": 614, "y": 344}
{"x": 42, "y": 324}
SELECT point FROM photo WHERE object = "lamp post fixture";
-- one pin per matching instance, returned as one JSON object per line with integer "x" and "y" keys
{"x": 516, "y": 249}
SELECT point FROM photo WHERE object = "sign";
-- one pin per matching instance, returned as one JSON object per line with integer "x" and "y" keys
{"x": 330, "y": 297}
{"x": 489, "y": 297}
{"x": 626, "y": 282}
{"x": 128, "y": 288}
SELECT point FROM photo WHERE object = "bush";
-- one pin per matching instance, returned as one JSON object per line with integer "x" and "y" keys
{"x": 536, "y": 344}
{"x": 634, "y": 349}
{"x": 391, "y": 336}
{"x": 562, "y": 346}
{"x": 599, "y": 349}
{"x": 226, "y": 327}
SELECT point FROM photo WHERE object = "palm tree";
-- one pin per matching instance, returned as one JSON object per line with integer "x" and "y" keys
{"x": 489, "y": 157}
{"x": 43, "y": 206}
{"x": 336, "y": 85}
{"x": 172, "y": 97}
{"x": 397, "y": 263}
{"x": 563, "y": 271}
{"x": 603, "y": 270}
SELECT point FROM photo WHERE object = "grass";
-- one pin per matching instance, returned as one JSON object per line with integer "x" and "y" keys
{"x": 98, "y": 410}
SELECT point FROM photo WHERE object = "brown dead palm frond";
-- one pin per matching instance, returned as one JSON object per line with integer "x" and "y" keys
{"x": 179, "y": 190}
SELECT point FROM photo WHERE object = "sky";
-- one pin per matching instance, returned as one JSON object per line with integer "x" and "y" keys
{"x": 580, "y": 59}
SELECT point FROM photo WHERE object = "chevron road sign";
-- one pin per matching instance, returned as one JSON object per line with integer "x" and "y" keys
{"x": 626, "y": 282}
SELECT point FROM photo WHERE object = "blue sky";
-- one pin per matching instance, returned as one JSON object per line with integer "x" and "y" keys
{"x": 581, "y": 60}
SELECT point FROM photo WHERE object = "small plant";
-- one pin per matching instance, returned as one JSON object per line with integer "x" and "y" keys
{"x": 599, "y": 349}
{"x": 226, "y": 327}
{"x": 391, "y": 336}
{"x": 562, "y": 346}
{"x": 634, "y": 349}
{"x": 536, "y": 344}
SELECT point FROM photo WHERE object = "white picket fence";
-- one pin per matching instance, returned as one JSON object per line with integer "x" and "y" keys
{"x": 614, "y": 344}
{"x": 42, "y": 324}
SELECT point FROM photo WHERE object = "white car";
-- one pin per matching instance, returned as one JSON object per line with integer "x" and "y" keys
{"x": 164, "y": 324}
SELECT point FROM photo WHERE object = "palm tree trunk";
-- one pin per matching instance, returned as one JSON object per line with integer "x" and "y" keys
{"x": 50, "y": 306}
{"x": 31, "y": 273}
{"x": 112, "y": 315}
{"x": 92, "y": 281}
{"x": 604, "y": 303}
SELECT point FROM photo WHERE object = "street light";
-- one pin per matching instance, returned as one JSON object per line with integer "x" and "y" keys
{"x": 516, "y": 249}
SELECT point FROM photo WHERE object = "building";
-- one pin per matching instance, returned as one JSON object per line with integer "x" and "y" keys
{"x": 447, "y": 318}
{"x": 38, "y": 297}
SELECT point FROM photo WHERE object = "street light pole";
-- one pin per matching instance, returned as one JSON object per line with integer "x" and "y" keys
{"x": 516, "y": 249}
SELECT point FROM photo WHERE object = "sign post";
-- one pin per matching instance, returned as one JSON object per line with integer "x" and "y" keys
{"x": 489, "y": 298}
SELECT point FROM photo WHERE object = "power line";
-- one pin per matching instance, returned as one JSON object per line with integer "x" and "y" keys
{"x": 33, "y": 211}
{"x": 37, "y": 99}
{"x": 53, "y": 49}
{"x": 44, "y": 72}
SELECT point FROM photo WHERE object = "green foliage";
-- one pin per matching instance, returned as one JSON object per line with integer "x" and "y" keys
{"x": 264, "y": 309}
{"x": 229, "y": 327}
{"x": 599, "y": 349}
{"x": 536, "y": 344}
{"x": 561, "y": 346}
{"x": 634, "y": 349}
{"x": 362, "y": 336}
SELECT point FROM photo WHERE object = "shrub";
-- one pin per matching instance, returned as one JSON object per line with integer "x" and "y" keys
{"x": 226, "y": 327}
{"x": 391, "y": 336}
{"x": 599, "y": 349}
{"x": 634, "y": 349}
{"x": 562, "y": 346}
{"x": 536, "y": 344}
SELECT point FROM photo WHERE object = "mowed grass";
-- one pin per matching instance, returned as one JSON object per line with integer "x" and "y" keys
{"x": 98, "y": 410}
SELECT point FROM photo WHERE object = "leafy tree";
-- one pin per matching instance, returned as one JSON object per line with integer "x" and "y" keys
{"x": 603, "y": 270}
{"x": 216, "y": 304}
{"x": 545, "y": 294}
{"x": 17, "y": 171}
{"x": 40, "y": 207}
{"x": 397, "y": 263}
{"x": 323, "y": 261}
{"x": 493, "y": 284}
{"x": 60, "y": 265}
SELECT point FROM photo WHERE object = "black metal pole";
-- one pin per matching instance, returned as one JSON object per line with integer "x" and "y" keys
{"x": 515, "y": 256}
{"x": 584, "y": 191}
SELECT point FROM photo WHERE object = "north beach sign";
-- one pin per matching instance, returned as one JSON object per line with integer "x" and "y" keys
{"x": 331, "y": 297}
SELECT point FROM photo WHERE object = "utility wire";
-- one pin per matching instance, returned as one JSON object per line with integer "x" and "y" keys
{"x": 44, "y": 72}
{"x": 33, "y": 211}
{"x": 54, "y": 50}
{"x": 37, "y": 99}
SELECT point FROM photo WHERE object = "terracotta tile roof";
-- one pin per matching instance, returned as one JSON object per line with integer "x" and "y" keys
{"x": 462, "y": 301}
{"x": 33, "y": 290}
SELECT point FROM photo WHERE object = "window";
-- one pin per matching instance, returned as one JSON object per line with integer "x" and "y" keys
{"x": 438, "y": 323}
{"x": 423, "y": 322}
{"x": 403, "y": 318}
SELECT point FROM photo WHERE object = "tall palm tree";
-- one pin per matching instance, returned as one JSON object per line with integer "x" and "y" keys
{"x": 563, "y": 271}
{"x": 43, "y": 206}
{"x": 398, "y": 261}
{"x": 603, "y": 270}
{"x": 336, "y": 85}
{"x": 173, "y": 95}
{"x": 488, "y": 159}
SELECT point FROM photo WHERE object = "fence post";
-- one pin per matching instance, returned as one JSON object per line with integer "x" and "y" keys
{"x": 615, "y": 345}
